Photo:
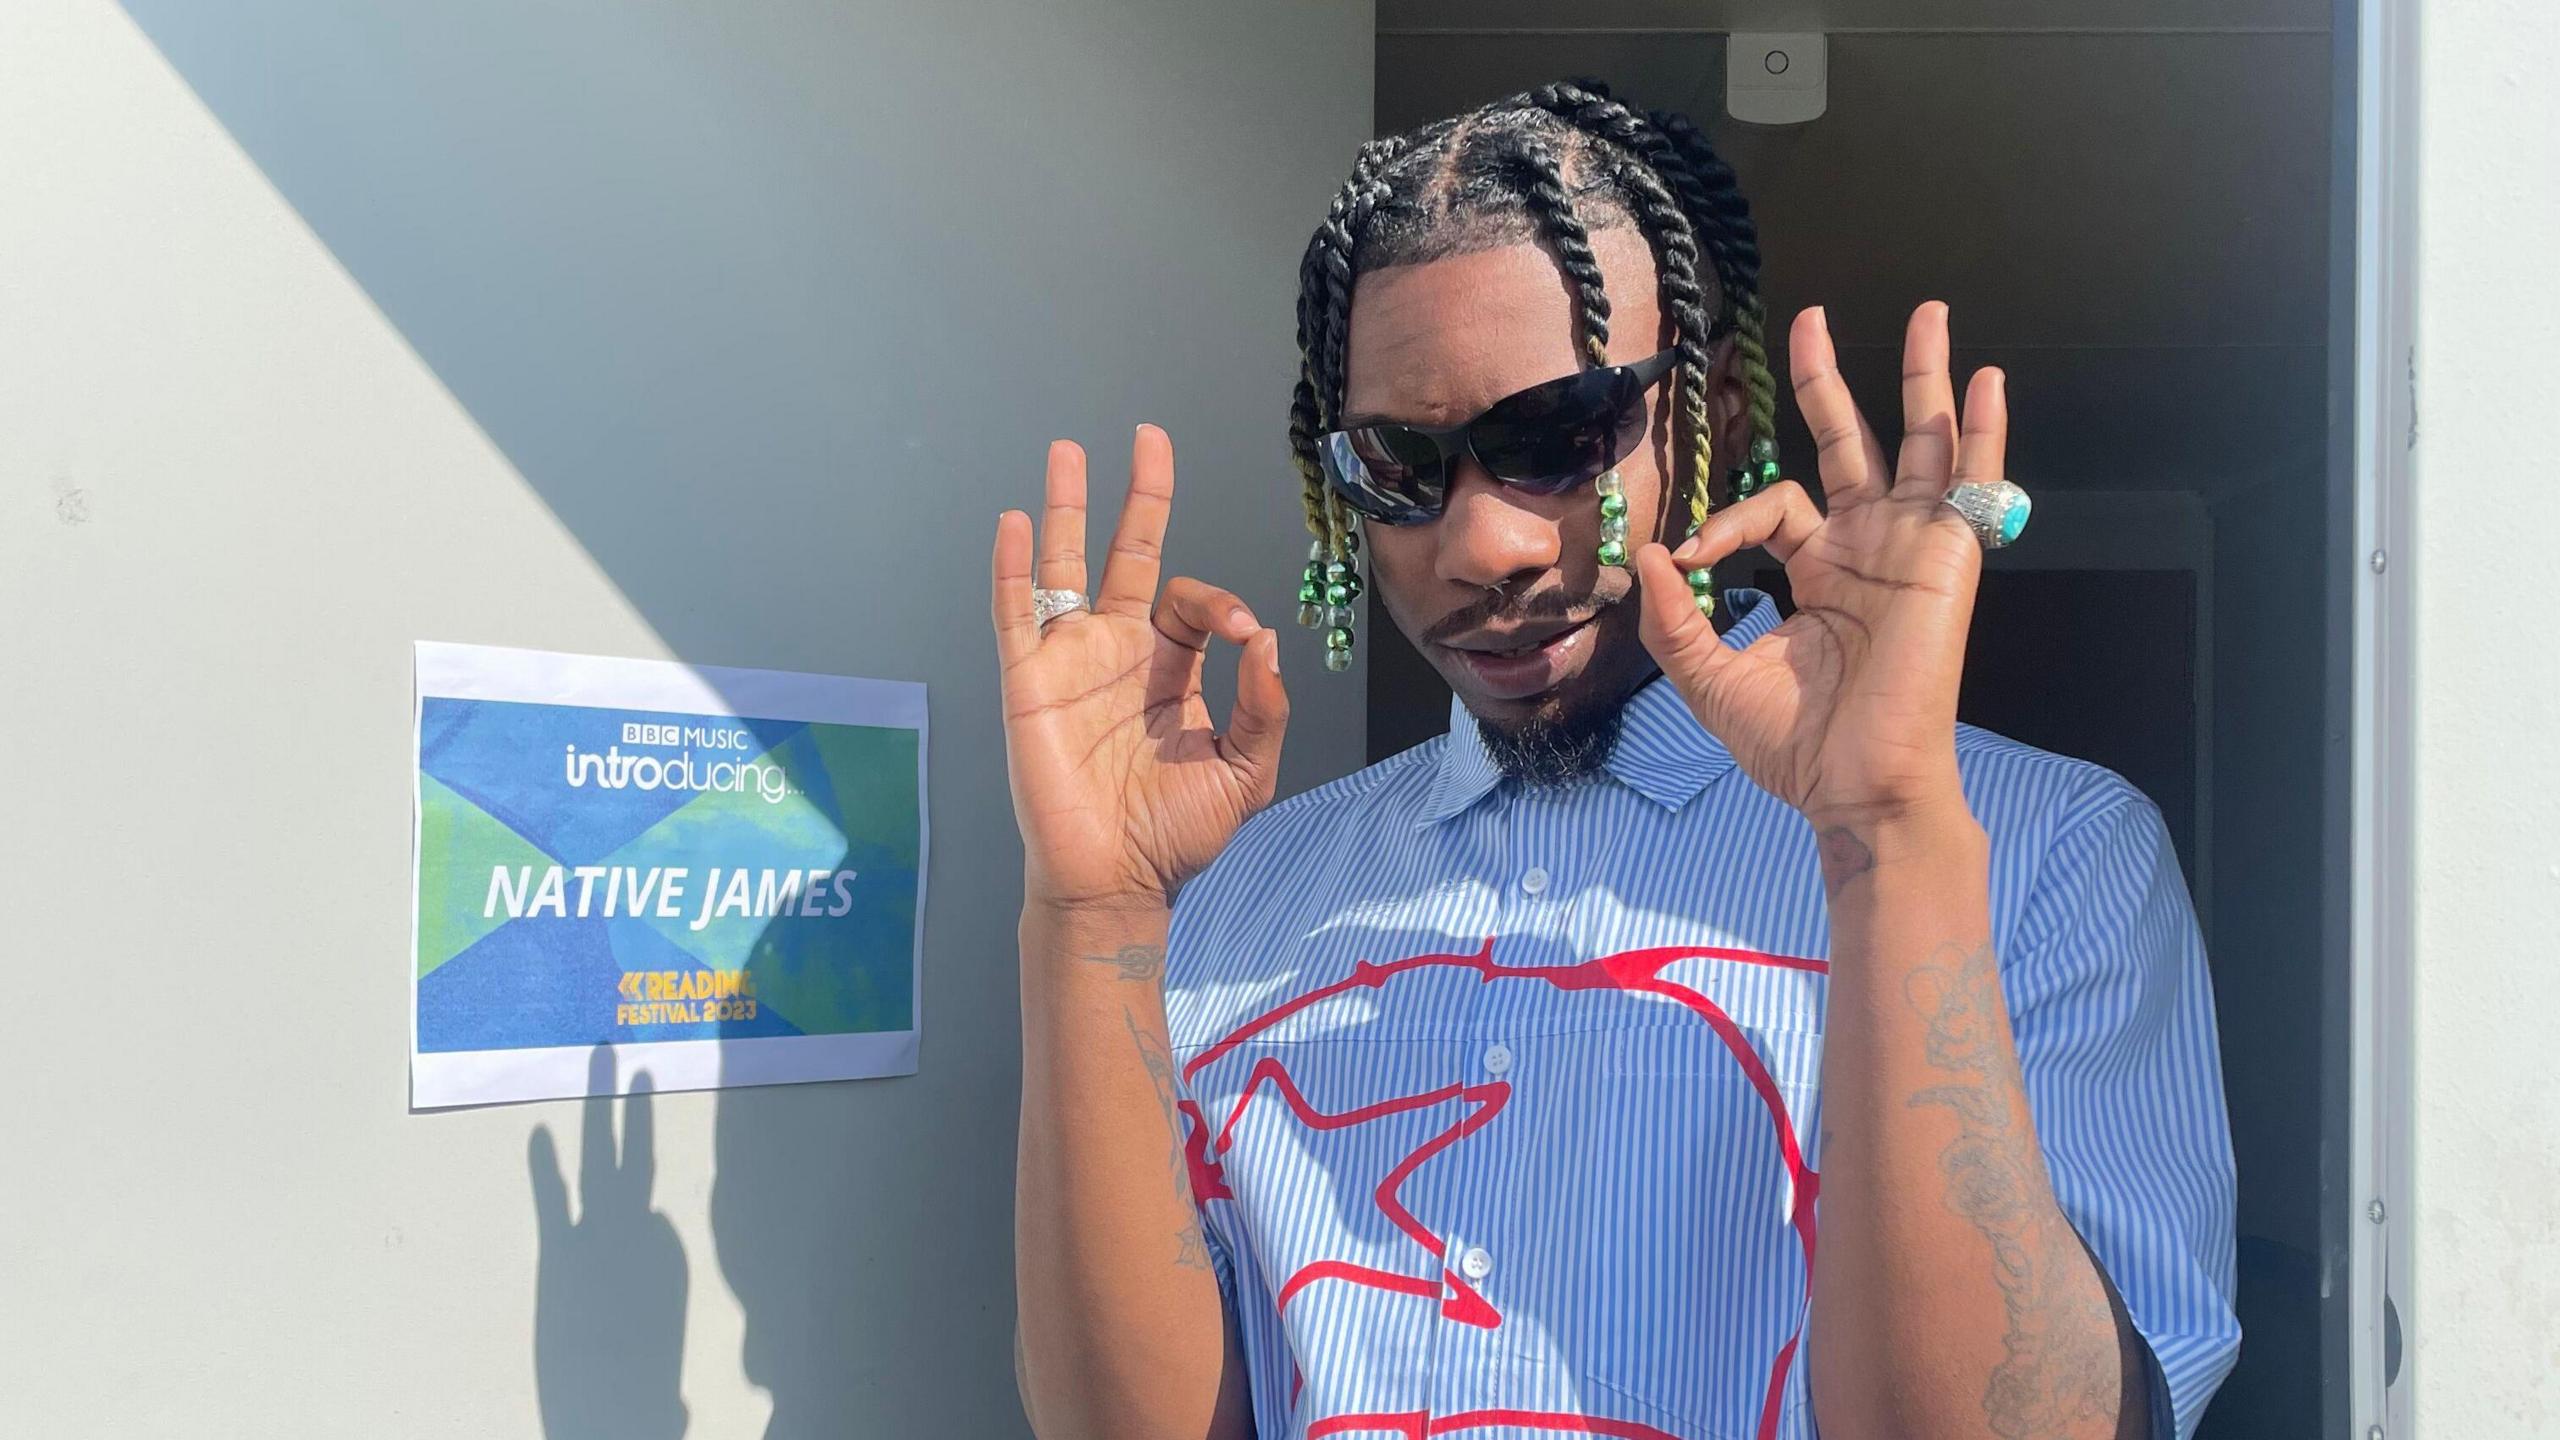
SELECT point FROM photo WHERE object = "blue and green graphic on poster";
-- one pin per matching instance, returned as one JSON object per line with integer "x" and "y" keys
{"x": 718, "y": 873}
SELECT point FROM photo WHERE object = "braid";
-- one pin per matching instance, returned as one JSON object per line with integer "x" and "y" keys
{"x": 1719, "y": 192}
{"x": 1675, "y": 249}
{"x": 1324, "y": 312}
{"x": 1542, "y": 186}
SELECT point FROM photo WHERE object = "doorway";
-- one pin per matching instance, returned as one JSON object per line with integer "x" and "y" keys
{"x": 2137, "y": 217}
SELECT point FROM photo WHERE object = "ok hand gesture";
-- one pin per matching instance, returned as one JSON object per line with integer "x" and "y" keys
{"x": 1122, "y": 784}
{"x": 1847, "y": 710}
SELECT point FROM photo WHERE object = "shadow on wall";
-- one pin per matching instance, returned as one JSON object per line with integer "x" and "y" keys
{"x": 608, "y": 1320}
{"x": 774, "y": 307}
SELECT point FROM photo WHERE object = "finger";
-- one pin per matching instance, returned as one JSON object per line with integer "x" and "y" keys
{"x": 1193, "y": 610}
{"x": 1062, "y": 522}
{"x": 1928, "y": 460}
{"x": 1261, "y": 715}
{"x": 550, "y": 1187}
{"x": 1982, "y": 453}
{"x": 639, "y": 1140}
{"x": 595, "y": 1142}
{"x": 1137, "y": 546}
{"x": 1683, "y": 641}
{"x": 1847, "y": 454}
{"x": 1778, "y": 520}
{"x": 1017, "y": 629}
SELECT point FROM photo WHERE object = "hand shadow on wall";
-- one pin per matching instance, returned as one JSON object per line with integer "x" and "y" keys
{"x": 609, "y": 1290}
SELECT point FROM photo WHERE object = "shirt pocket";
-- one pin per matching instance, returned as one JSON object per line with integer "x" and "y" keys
{"x": 1687, "y": 1241}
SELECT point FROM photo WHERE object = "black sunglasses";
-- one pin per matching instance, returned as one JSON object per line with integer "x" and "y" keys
{"x": 1546, "y": 439}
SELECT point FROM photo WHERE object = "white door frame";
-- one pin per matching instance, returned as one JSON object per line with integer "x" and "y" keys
{"x": 2382, "y": 755}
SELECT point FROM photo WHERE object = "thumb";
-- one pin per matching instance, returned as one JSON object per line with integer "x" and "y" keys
{"x": 1683, "y": 640}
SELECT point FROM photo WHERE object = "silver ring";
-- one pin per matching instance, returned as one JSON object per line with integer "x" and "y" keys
{"x": 1048, "y": 605}
{"x": 1995, "y": 510}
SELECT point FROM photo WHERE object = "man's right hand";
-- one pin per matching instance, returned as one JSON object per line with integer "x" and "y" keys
{"x": 1122, "y": 785}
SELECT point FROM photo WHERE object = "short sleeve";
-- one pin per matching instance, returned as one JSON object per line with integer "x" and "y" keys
{"x": 2112, "y": 1008}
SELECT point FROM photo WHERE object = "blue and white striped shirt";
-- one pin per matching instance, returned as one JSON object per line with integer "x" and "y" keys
{"x": 1502, "y": 1102}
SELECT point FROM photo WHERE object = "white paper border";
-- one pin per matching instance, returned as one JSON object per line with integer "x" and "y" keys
{"x": 448, "y": 1078}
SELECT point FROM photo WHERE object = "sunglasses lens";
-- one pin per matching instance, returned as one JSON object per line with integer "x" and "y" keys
{"x": 1562, "y": 434}
{"x": 1387, "y": 472}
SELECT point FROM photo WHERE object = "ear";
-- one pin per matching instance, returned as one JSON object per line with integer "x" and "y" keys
{"x": 1729, "y": 405}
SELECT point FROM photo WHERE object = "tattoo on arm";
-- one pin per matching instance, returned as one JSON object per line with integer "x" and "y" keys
{"x": 2061, "y": 1342}
{"x": 1134, "y": 962}
{"x": 1844, "y": 857}
{"x": 1191, "y": 1250}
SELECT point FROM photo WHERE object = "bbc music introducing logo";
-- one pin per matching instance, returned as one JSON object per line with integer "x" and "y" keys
{"x": 611, "y": 769}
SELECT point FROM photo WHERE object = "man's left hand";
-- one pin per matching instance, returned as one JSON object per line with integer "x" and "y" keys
{"x": 1847, "y": 710}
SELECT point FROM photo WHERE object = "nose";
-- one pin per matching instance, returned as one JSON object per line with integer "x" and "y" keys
{"x": 1488, "y": 536}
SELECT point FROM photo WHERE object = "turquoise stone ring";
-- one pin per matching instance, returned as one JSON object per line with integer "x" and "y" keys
{"x": 1995, "y": 509}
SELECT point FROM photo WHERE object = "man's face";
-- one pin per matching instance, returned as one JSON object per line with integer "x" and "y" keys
{"x": 1435, "y": 344}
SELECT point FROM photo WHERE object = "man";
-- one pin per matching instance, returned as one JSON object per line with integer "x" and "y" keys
{"x": 1707, "y": 1037}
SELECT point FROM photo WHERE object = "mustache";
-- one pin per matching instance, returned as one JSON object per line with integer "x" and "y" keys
{"x": 1496, "y": 613}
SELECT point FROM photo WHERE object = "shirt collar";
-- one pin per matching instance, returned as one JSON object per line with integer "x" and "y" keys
{"x": 1662, "y": 753}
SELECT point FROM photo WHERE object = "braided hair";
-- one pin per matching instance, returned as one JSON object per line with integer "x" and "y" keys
{"x": 1549, "y": 164}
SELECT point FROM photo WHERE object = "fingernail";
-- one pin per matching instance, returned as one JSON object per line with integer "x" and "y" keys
{"x": 1271, "y": 652}
{"x": 1240, "y": 616}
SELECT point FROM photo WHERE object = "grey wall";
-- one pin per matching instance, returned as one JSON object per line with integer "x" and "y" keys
{"x": 718, "y": 331}
{"x": 2130, "y": 214}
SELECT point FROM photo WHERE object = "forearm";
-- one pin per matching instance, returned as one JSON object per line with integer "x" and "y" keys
{"x": 1122, "y": 1332}
{"x": 1950, "y": 1293}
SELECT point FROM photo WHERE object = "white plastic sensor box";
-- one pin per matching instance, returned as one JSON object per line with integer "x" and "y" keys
{"x": 1777, "y": 79}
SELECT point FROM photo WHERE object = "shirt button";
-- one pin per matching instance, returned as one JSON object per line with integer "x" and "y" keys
{"x": 1497, "y": 1059}
{"x": 1535, "y": 882}
{"x": 1475, "y": 1264}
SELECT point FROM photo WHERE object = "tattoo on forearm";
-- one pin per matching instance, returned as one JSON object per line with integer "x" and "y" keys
{"x": 2060, "y": 1369}
{"x": 1844, "y": 857}
{"x": 1191, "y": 1251}
{"x": 1134, "y": 962}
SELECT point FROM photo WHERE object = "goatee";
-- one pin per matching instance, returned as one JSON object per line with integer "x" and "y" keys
{"x": 1554, "y": 750}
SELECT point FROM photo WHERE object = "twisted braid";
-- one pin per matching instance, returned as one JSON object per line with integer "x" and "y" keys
{"x": 1324, "y": 312}
{"x": 1675, "y": 248}
{"x": 1542, "y": 186}
{"x": 1719, "y": 192}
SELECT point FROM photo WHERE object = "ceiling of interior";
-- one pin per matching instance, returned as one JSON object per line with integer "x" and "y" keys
{"x": 2135, "y": 224}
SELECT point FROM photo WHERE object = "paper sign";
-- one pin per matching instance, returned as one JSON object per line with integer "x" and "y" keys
{"x": 717, "y": 873}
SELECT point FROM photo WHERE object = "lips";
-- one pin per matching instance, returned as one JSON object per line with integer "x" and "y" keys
{"x": 1528, "y": 667}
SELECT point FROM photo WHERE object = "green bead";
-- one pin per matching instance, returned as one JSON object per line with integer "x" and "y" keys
{"x": 1701, "y": 581}
{"x": 1336, "y": 572}
{"x": 1706, "y": 602}
{"x": 1337, "y": 638}
{"x": 1768, "y": 472}
{"x": 1612, "y": 506}
{"x": 1337, "y": 594}
{"x": 1309, "y": 615}
{"x": 1337, "y": 660}
{"x": 1613, "y": 552}
{"x": 1307, "y": 593}
{"x": 1351, "y": 582}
